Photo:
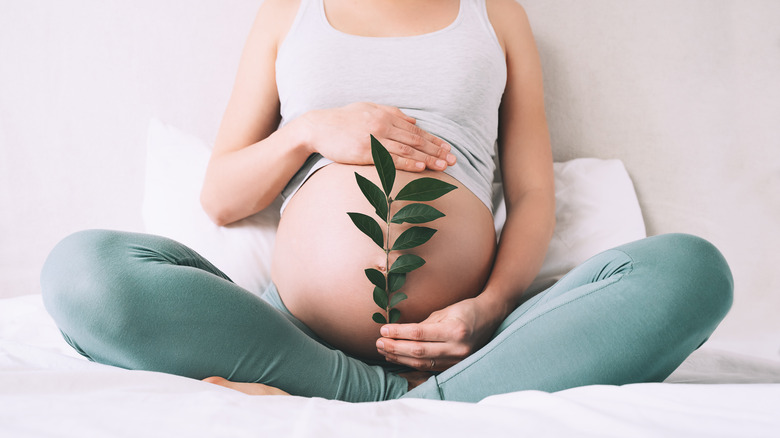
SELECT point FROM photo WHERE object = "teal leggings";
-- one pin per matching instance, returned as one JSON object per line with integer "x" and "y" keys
{"x": 630, "y": 314}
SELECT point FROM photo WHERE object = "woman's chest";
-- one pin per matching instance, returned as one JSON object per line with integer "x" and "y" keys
{"x": 441, "y": 77}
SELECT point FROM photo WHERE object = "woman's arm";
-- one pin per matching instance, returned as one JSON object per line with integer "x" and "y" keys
{"x": 252, "y": 161}
{"x": 451, "y": 334}
{"x": 526, "y": 165}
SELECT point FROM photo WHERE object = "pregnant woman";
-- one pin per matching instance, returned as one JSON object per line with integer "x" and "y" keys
{"x": 440, "y": 83}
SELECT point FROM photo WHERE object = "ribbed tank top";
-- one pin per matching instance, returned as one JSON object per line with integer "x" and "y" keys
{"x": 451, "y": 81}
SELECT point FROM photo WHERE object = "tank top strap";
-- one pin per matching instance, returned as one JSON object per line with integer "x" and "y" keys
{"x": 476, "y": 10}
{"x": 307, "y": 14}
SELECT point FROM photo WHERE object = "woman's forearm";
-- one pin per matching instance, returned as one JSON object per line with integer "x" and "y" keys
{"x": 521, "y": 250}
{"x": 242, "y": 182}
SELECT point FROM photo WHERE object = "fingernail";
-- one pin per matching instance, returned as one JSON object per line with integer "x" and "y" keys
{"x": 380, "y": 345}
{"x": 384, "y": 331}
{"x": 419, "y": 165}
{"x": 441, "y": 163}
{"x": 451, "y": 159}
{"x": 446, "y": 147}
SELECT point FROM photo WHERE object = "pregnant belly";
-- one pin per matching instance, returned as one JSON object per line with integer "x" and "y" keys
{"x": 320, "y": 256}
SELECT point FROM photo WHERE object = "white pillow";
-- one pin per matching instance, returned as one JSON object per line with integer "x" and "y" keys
{"x": 596, "y": 210}
{"x": 175, "y": 167}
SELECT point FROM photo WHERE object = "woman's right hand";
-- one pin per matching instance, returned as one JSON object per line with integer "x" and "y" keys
{"x": 341, "y": 134}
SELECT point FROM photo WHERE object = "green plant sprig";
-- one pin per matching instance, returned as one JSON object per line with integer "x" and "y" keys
{"x": 386, "y": 287}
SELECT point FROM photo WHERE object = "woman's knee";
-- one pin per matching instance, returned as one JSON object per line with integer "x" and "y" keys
{"x": 74, "y": 260}
{"x": 78, "y": 272}
{"x": 701, "y": 270}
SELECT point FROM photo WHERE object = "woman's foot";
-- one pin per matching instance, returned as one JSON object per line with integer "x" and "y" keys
{"x": 246, "y": 388}
{"x": 415, "y": 378}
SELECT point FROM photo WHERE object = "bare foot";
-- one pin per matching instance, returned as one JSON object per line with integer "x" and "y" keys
{"x": 415, "y": 378}
{"x": 246, "y": 388}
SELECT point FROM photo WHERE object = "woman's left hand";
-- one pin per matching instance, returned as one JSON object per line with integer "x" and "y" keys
{"x": 443, "y": 339}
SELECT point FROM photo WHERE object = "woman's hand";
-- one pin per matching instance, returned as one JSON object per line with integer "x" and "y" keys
{"x": 341, "y": 134}
{"x": 444, "y": 338}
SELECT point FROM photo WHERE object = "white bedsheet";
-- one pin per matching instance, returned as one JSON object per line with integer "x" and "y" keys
{"x": 46, "y": 389}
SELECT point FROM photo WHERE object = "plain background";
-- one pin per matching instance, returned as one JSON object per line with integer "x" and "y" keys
{"x": 685, "y": 92}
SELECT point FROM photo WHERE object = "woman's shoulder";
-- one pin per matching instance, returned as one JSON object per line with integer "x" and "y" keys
{"x": 513, "y": 30}
{"x": 511, "y": 7}
{"x": 509, "y": 20}
{"x": 275, "y": 7}
{"x": 275, "y": 17}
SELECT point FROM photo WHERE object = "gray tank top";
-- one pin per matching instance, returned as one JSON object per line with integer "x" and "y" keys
{"x": 450, "y": 80}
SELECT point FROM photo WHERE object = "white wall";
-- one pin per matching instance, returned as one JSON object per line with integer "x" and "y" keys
{"x": 79, "y": 81}
{"x": 685, "y": 92}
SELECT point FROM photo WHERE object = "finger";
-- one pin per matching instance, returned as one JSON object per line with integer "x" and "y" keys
{"x": 419, "y": 138}
{"x": 403, "y": 163}
{"x": 430, "y": 332}
{"x": 409, "y": 158}
{"x": 415, "y": 349}
{"x": 421, "y": 146}
{"x": 422, "y": 364}
{"x": 424, "y": 146}
{"x": 409, "y": 134}
{"x": 413, "y": 133}
{"x": 411, "y": 349}
{"x": 422, "y": 350}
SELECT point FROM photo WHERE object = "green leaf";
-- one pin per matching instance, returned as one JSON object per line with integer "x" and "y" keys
{"x": 407, "y": 263}
{"x": 414, "y": 236}
{"x": 396, "y": 281}
{"x": 416, "y": 214}
{"x": 369, "y": 227}
{"x": 380, "y": 297}
{"x": 394, "y": 315}
{"x": 424, "y": 189}
{"x": 397, "y": 298}
{"x": 374, "y": 195}
{"x": 384, "y": 165}
{"x": 376, "y": 277}
{"x": 379, "y": 318}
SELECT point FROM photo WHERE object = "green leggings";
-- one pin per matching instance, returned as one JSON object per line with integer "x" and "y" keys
{"x": 630, "y": 314}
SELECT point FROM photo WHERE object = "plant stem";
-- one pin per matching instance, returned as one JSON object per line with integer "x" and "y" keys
{"x": 387, "y": 259}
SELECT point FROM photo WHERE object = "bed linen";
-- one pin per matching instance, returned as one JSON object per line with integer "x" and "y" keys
{"x": 47, "y": 389}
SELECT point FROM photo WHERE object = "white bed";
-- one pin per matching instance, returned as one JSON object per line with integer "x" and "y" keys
{"x": 663, "y": 116}
{"x": 714, "y": 393}
{"x": 46, "y": 389}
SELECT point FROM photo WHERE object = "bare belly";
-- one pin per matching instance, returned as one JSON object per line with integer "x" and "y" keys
{"x": 320, "y": 256}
